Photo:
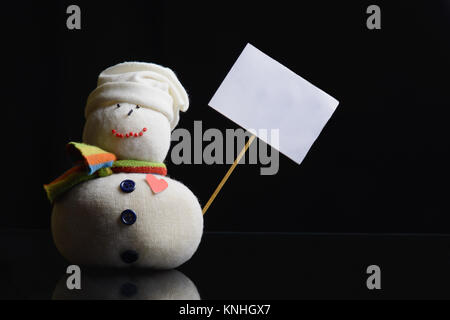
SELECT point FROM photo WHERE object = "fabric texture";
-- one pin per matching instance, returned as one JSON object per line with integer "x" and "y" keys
{"x": 92, "y": 157}
{"x": 145, "y": 84}
{"x": 93, "y": 162}
{"x": 87, "y": 227}
{"x": 152, "y": 146}
{"x": 138, "y": 166}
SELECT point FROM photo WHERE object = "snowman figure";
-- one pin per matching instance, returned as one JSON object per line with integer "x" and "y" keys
{"x": 117, "y": 207}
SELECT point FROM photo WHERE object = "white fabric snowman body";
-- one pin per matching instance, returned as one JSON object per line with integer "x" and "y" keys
{"x": 119, "y": 220}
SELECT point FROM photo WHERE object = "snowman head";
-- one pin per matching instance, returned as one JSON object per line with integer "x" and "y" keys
{"x": 133, "y": 110}
{"x": 129, "y": 131}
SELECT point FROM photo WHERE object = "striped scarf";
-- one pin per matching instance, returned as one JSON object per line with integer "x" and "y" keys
{"x": 92, "y": 162}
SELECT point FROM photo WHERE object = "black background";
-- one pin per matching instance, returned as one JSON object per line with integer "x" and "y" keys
{"x": 380, "y": 165}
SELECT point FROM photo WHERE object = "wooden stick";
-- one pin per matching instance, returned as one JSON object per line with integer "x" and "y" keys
{"x": 227, "y": 175}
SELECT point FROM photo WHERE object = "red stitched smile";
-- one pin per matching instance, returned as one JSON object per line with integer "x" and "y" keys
{"x": 130, "y": 134}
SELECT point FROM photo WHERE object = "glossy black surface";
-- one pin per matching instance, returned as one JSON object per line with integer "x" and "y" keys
{"x": 250, "y": 266}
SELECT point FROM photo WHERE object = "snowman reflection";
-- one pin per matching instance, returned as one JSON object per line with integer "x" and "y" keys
{"x": 101, "y": 285}
{"x": 122, "y": 210}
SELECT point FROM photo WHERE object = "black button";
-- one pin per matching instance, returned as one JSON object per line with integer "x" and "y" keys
{"x": 129, "y": 256}
{"x": 128, "y": 289}
{"x": 127, "y": 186}
{"x": 128, "y": 217}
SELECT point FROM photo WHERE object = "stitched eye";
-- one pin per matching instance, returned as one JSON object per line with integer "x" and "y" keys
{"x": 118, "y": 105}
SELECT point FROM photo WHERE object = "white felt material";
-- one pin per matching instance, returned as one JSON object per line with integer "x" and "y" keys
{"x": 87, "y": 227}
{"x": 163, "y": 285}
{"x": 261, "y": 93}
{"x": 146, "y": 84}
{"x": 152, "y": 146}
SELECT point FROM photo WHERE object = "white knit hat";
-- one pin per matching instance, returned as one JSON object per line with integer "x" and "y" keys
{"x": 145, "y": 84}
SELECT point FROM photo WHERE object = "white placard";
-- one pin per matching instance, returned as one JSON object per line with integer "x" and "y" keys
{"x": 260, "y": 93}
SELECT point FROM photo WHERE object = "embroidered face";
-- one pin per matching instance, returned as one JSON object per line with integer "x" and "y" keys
{"x": 129, "y": 131}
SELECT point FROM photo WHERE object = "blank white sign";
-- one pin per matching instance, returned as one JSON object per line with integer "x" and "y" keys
{"x": 261, "y": 93}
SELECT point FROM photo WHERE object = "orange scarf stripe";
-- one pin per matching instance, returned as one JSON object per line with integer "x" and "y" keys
{"x": 94, "y": 159}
